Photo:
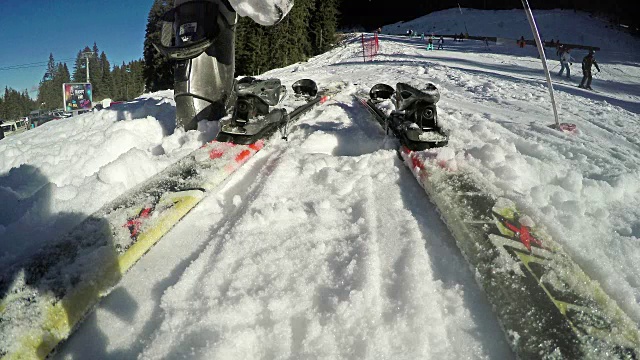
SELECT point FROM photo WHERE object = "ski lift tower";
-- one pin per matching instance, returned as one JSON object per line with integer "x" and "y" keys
{"x": 86, "y": 55}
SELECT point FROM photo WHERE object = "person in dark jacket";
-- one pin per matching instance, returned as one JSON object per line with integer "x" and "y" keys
{"x": 587, "y": 62}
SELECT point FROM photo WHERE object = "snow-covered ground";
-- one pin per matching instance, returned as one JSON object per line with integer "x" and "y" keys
{"x": 325, "y": 246}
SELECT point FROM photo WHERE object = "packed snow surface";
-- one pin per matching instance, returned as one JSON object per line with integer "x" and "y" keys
{"x": 325, "y": 246}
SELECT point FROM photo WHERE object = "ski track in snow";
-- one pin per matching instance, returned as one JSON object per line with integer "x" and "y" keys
{"x": 317, "y": 292}
{"x": 326, "y": 247}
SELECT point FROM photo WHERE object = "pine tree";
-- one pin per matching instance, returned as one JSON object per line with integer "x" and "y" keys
{"x": 118, "y": 79}
{"x": 137, "y": 78}
{"x": 106, "y": 78}
{"x": 323, "y": 25}
{"x": 309, "y": 29}
{"x": 46, "y": 90}
{"x": 158, "y": 70}
{"x": 79, "y": 70}
{"x": 95, "y": 73}
{"x": 54, "y": 97}
{"x": 14, "y": 105}
{"x": 251, "y": 43}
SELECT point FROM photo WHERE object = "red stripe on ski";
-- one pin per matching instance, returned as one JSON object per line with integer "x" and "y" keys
{"x": 243, "y": 156}
{"x": 134, "y": 224}
{"x": 216, "y": 154}
{"x": 257, "y": 146}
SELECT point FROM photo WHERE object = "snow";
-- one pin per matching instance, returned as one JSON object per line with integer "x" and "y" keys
{"x": 53, "y": 176}
{"x": 325, "y": 246}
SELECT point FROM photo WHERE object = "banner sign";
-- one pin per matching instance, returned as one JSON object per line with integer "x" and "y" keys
{"x": 77, "y": 96}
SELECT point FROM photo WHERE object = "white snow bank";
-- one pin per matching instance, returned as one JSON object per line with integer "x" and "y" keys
{"x": 55, "y": 175}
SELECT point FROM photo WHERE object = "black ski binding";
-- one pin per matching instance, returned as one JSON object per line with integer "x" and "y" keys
{"x": 415, "y": 120}
{"x": 252, "y": 116}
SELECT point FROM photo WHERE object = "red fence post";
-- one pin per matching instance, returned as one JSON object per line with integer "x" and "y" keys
{"x": 370, "y": 47}
{"x": 377, "y": 43}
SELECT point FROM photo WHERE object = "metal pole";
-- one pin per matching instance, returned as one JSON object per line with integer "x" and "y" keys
{"x": 536, "y": 36}
{"x": 86, "y": 57}
{"x": 464, "y": 22}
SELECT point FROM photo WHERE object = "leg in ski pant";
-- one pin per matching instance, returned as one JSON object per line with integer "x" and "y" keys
{"x": 203, "y": 52}
{"x": 586, "y": 78}
{"x": 564, "y": 65}
{"x": 204, "y": 59}
{"x": 561, "y": 68}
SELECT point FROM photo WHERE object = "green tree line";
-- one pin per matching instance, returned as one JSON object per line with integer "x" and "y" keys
{"x": 119, "y": 83}
{"x": 15, "y": 104}
{"x": 308, "y": 30}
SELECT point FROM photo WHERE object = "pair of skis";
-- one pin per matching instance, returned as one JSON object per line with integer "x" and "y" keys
{"x": 547, "y": 306}
{"x": 46, "y": 296}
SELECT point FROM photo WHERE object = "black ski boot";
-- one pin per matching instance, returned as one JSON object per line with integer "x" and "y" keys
{"x": 200, "y": 36}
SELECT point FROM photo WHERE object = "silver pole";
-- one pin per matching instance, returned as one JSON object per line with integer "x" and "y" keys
{"x": 536, "y": 36}
{"x": 464, "y": 22}
{"x": 86, "y": 57}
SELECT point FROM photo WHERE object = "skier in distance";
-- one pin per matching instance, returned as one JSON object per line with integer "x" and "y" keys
{"x": 566, "y": 60}
{"x": 587, "y": 62}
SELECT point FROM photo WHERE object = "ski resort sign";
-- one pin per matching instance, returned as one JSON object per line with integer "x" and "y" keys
{"x": 77, "y": 96}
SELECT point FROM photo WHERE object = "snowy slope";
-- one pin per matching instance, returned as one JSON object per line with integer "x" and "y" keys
{"x": 51, "y": 177}
{"x": 566, "y": 26}
{"x": 325, "y": 246}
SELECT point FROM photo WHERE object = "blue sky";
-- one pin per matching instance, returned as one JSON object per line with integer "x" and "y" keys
{"x": 31, "y": 29}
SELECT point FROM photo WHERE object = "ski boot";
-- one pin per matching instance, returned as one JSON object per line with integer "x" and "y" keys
{"x": 200, "y": 37}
